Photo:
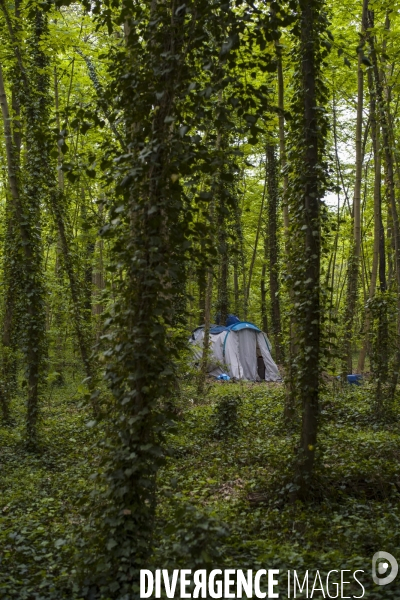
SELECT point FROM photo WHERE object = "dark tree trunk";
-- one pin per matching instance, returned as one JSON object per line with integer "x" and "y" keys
{"x": 289, "y": 410}
{"x": 28, "y": 202}
{"x": 201, "y": 279}
{"x": 388, "y": 156}
{"x": 12, "y": 276}
{"x": 236, "y": 281}
{"x": 310, "y": 180}
{"x": 259, "y": 223}
{"x": 88, "y": 278}
{"x": 98, "y": 284}
{"x": 223, "y": 291}
{"x": 264, "y": 311}
{"x": 58, "y": 316}
{"x": 273, "y": 251}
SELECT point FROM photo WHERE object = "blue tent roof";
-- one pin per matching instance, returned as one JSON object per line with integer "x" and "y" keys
{"x": 215, "y": 329}
{"x": 243, "y": 325}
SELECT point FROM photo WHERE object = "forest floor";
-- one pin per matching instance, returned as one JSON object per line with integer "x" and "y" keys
{"x": 223, "y": 493}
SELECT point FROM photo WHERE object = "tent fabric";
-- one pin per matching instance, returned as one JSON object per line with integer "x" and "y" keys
{"x": 214, "y": 330}
{"x": 248, "y": 354}
{"x": 271, "y": 370}
{"x": 235, "y": 351}
{"x": 231, "y": 355}
{"x": 217, "y": 358}
{"x": 231, "y": 320}
{"x": 243, "y": 325}
{"x": 216, "y": 362}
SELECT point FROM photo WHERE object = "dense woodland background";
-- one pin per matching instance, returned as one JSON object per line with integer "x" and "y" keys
{"x": 164, "y": 165}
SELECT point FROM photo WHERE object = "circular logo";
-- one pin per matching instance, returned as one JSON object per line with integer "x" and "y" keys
{"x": 381, "y": 562}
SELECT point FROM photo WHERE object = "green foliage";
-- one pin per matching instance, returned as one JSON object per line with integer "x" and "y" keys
{"x": 139, "y": 131}
{"x": 243, "y": 482}
{"x": 226, "y": 416}
{"x": 44, "y": 495}
{"x": 192, "y": 535}
{"x": 219, "y": 502}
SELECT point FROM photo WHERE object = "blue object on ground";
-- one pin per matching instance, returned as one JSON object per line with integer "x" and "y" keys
{"x": 354, "y": 379}
{"x": 223, "y": 377}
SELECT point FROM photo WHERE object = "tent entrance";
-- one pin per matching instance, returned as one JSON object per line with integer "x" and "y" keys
{"x": 261, "y": 368}
{"x": 260, "y": 364}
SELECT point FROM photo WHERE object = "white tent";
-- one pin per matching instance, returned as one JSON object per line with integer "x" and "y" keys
{"x": 242, "y": 351}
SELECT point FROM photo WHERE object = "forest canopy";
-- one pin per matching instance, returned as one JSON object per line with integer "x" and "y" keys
{"x": 170, "y": 168}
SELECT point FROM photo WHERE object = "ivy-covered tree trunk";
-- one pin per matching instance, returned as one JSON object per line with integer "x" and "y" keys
{"x": 40, "y": 183}
{"x": 151, "y": 249}
{"x": 236, "y": 294}
{"x": 12, "y": 281}
{"x": 273, "y": 251}
{"x": 154, "y": 232}
{"x": 11, "y": 267}
{"x": 309, "y": 180}
{"x": 27, "y": 201}
{"x": 58, "y": 309}
{"x": 263, "y": 289}
{"x": 99, "y": 285}
{"x": 206, "y": 351}
{"x": 289, "y": 410}
{"x": 36, "y": 103}
{"x": 389, "y": 167}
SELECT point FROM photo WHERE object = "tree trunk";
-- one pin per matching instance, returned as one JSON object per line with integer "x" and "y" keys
{"x": 236, "y": 280}
{"x": 307, "y": 200}
{"x": 223, "y": 291}
{"x": 259, "y": 222}
{"x": 354, "y": 258}
{"x": 206, "y": 339}
{"x": 289, "y": 409}
{"x": 58, "y": 317}
{"x": 98, "y": 284}
{"x": 264, "y": 312}
{"x": 11, "y": 277}
{"x": 273, "y": 258}
{"x": 202, "y": 284}
{"x": 28, "y": 214}
{"x": 388, "y": 154}
{"x": 378, "y": 262}
{"x": 208, "y": 304}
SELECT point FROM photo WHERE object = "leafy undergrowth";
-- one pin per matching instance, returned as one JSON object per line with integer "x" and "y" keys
{"x": 42, "y": 496}
{"x": 235, "y": 491}
{"x": 223, "y": 493}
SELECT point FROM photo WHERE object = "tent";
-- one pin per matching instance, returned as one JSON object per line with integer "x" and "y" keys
{"x": 241, "y": 350}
